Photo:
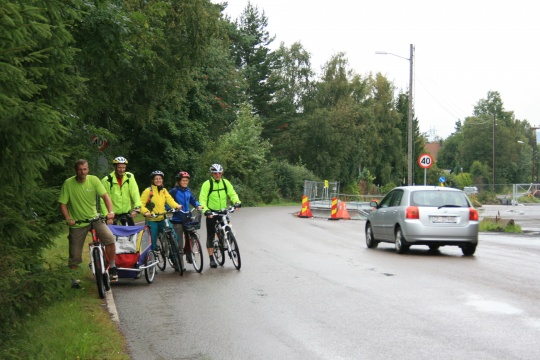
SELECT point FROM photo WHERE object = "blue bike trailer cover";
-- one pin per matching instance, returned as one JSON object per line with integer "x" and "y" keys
{"x": 120, "y": 230}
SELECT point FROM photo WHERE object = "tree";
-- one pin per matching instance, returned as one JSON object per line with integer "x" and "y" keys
{"x": 242, "y": 152}
{"x": 384, "y": 132}
{"x": 449, "y": 155}
{"x": 502, "y": 132}
{"x": 292, "y": 77}
{"x": 250, "y": 47}
{"x": 36, "y": 105}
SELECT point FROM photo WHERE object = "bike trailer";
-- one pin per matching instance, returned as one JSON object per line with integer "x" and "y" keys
{"x": 132, "y": 245}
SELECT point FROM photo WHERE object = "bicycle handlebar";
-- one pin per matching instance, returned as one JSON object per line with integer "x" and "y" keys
{"x": 225, "y": 211}
{"x": 137, "y": 210}
{"x": 99, "y": 217}
{"x": 170, "y": 211}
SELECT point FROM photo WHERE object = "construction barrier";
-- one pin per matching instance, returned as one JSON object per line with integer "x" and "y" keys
{"x": 334, "y": 210}
{"x": 306, "y": 211}
{"x": 342, "y": 212}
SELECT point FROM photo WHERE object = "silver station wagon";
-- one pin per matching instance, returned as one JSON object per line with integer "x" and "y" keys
{"x": 423, "y": 215}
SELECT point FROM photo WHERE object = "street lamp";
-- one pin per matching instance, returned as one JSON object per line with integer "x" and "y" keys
{"x": 410, "y": 117}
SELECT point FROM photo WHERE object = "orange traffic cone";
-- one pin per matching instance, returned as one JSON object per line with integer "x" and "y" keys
{"x": 342, "y": 212}
{"x": 306, "y": 211}
{"x": 333, "y": 211}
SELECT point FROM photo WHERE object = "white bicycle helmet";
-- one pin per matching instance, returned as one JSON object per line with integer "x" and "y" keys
{"x": 120, "y": 160}
{"x": 156, "y": 172}
{"x": 215, "y": 168}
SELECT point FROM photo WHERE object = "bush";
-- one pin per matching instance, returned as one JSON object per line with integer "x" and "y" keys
{"x": 488, "y": 225}
{"x": 25, "y": 283}
{"x": 488, "y": 197}
{"x": 289, "y": 179}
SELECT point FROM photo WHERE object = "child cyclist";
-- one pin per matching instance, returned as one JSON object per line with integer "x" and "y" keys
{"x": 153, "y": 200}
{"x": 183, "y": 196}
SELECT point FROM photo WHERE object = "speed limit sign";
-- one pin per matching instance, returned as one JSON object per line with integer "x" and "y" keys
{"x": 425, "y": 161}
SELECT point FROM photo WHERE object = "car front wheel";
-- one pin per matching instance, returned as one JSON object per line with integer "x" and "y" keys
{"x": 401, "y": 244}
{"x": 371, "y": 243}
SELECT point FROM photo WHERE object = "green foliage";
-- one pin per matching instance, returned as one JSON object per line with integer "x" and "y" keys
{"x": 487, "y": 225}
{"x": 501, "y": 131}
{"x": 480, "y": 173}
{"x": 77, "y": 315}
{"x": 463, "y": 179}
{"x": 529, "y": 199}
{"x": 365, "y": 183}
{"x": 241, "y": 151}
{"x": 250, "y": 50}
{"x": 36, "y": 108}
{"x": 387, "y": 188}
{"x": 289, "y": 179}
{"x": 487, "y": 196}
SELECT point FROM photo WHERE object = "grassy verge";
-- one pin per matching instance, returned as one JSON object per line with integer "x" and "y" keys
{"x": 78, "y": 327}
{"x": 488, "y": 225}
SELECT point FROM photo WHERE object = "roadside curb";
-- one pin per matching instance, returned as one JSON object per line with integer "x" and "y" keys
{"x": 111, "y": 306}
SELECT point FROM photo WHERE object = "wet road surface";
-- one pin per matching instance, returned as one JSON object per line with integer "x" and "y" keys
{"x": 310, "y": 289}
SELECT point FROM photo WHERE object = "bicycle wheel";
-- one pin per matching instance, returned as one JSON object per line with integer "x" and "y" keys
{"x": 162, "y": 253}
{"x": 196, "y": 253}
{"x": 219, "y": 253}
{"x": 150, "y": 272}
{"x": 174, "y": 255}
{"x": 107, "y": 281}
{"x": 234, "y": 251}
{"x": 98, "y": 272}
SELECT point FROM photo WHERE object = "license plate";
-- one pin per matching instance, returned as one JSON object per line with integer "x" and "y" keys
{"x": 443, "y": 219}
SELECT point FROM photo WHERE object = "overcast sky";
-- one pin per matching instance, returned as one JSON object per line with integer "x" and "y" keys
{"x": 463, "y": 49}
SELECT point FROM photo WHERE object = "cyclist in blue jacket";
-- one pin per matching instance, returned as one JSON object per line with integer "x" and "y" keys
{"x": 182, "y": 194}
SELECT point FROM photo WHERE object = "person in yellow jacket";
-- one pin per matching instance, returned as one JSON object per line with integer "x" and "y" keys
{"x": 123, "y": 191}
{"x": 213, "y": 197}
{"x": 153, "y": 200}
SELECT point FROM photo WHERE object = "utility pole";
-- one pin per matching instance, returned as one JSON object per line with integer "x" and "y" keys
{"x": 493, "y": 152}
{"x": 410, "y": 114}
{"x": 410, "y": 122}
{"x": 534, "y": 177}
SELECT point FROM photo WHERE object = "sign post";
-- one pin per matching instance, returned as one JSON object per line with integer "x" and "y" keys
{"x": 425, "y": 161}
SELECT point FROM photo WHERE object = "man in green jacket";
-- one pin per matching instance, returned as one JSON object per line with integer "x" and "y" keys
{"x": 78, "y": 202}
{"x": 123, "y": 191}
{"x": 213, "y": 197}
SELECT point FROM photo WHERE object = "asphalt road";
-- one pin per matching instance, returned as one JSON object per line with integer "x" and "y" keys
{"x": 310, "y": 289}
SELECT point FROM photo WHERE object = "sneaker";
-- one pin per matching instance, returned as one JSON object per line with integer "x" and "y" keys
{"x": 189, "y": 260}
{"x": 76, "y": 284}
{"x": 212, "y": 262}
{"x": 113, "y": 274}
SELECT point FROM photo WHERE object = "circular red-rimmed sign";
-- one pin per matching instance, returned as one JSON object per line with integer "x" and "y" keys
{"x": 425, "y": 161}
{"x": 100, "y": 143}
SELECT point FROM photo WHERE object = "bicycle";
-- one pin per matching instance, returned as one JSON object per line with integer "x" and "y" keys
{"x": 99, "y": 264}
{"x": 168, "y": 247}
{"x": 192, "y": 238}
{"x": 226, "y": 239}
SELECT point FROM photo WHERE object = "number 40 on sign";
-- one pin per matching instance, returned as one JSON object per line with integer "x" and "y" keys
{"x": 425, "y": 161}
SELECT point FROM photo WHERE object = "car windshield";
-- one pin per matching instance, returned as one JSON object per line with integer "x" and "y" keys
{"x": 439, "y": 198}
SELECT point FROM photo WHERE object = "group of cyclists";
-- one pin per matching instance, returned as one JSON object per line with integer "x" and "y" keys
{"x": 119, "y": 199}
